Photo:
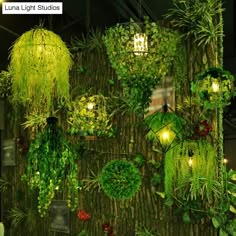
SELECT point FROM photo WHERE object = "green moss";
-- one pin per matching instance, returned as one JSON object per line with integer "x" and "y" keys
{"x": 120, "y": 179}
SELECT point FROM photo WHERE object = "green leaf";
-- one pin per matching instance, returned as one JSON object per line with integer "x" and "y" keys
{"x": 186, "y": 218}
{"x": 161, "y": 194}
{"x": 232, "y": 209}
{"x": 223, "y": 233}
{"x": 216, "y": 222}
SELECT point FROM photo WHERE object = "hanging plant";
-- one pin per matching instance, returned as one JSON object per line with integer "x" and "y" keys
{"x": 213, "y": 88}
{"x": 5, "y": 84}
{"x": 190, "y": 171}
{"x": 141, "y": 55}
{"x": 88, "y": 115}
{"x": 40, "y": 63}
{"x": 120, "y": 179}
{"x": 164, "y": 128}
{"x": 52, "y": 167}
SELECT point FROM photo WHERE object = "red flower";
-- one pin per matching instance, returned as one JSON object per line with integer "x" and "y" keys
{"x": 83, "y": 215}
{"x": 203, "y": 128}
{"x": 105, "y": 226}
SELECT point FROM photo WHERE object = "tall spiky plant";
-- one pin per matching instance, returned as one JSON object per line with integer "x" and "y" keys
{"x": 40, "y": 63}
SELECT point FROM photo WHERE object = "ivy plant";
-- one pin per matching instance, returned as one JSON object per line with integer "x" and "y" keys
{"x": 140, "y": 73}
{"x": 52, "y": 167}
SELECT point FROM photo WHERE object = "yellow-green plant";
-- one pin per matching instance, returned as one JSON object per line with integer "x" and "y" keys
{"x": 40, "y": 63}
{"x": 88, "y": 115}
{"x": 190, "y": 168}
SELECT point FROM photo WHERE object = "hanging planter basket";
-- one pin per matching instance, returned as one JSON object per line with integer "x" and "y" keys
{"x": 141, "y": 55}
{"x": 40, "y": 63}
{"x": 213, "y": 88}
{"x": 190, "y": 170}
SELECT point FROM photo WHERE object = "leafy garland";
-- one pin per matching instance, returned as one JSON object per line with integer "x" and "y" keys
{"x": 140, "y": 74}
{"x": 120, "y": 179}
{"x": 204, "y": 88}
{"x": 190, "y": 180}
{"x": 52, "y": 167}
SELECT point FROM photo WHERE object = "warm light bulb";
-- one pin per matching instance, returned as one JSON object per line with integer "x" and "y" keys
{"x": 225, "y": 161}
{"x": 190, "y": 162}
{"x": 215, "y": 86}
{"x": 165, "y": 135}
{"x": 90, "y": 106}
{"x": 140, "y": 44}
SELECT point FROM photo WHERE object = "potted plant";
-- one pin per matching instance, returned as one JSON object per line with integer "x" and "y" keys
{"x": 88, "y": 116}
{"x": 52, "y": 167}
{"x": 141, "y": 55}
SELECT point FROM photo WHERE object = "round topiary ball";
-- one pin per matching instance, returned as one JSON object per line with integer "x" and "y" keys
{"x": 120, "y": 179}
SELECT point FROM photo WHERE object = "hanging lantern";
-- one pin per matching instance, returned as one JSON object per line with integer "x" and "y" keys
{"x": 40, "y": 63}
{"x": 141, "y": 55}
{"x": 164, "y": 128}
{"x": 213, "y": 88}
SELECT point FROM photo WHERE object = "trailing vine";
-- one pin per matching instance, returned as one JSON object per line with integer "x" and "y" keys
{"x": 52, "y": 168}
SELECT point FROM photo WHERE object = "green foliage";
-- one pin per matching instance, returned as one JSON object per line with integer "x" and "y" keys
{"x": 120, "y": 179}
{"x": 224, "y": 217}
{"x": 190, "y": 180}
{"x": 140, "y": 72}
{"x": 1, "y": 229}
{"x": 4, "y": 185}
{"x": 196, "y": 20}
{"x": 139, "y": 160}
{"x": 16, "y": 216}
{"x": 143, "y": 231}
{"x": 52, "y": 167}
{"x": 83, "y": 233}
{"x": 164, "y": 127}
{"x": 213, "y": 88}
{"x": 40, "y": 63}
{"x": 5, "y": 84}
{"x": 88, "y": 115}
{"x": 92, "y": 182}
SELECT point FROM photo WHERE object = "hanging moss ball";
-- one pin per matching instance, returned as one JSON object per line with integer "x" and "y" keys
{"x": 213, "y": 88}
{"x": 120, "y": 179}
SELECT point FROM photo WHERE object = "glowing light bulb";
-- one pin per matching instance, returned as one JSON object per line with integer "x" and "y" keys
{"x": 190, "y": 162}
{"x": 215, "y": 86}
{"x": 225, "y": 161}
{"x": 140, "y": 44}
{"x": 165, "y": 135}
{"x": 90, "y": 106}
